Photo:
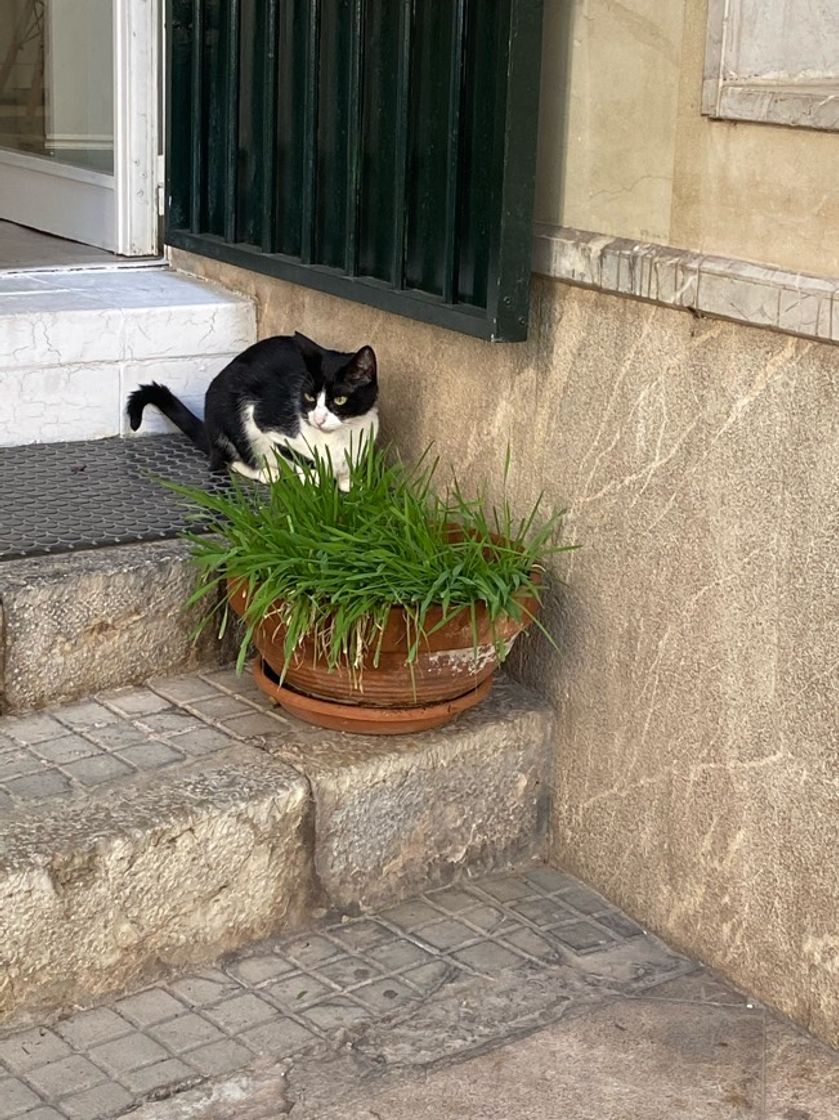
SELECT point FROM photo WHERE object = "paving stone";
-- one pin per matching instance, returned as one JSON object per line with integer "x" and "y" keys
{"x": 127, "y": 1053}
{"x": 185, "y": 1032}
{"x": 148, "y": 1007}
{"x": 87, "y": 713}
{"x": 584, "y": 900}
{"x": 487, "y": 958}
{"x": 32, "y": 729}
{"x": 394, "y": 956}
{"x": 117, "y": 736}
{"x": 296, "y": 991}
{"x": 506, "y": 888}
{"x": 67, "y": 749}
{"x": 527, "y": 941}
{"x": 448, "y": 935}
{"x": 161, "y": 1074}
{"x": 220, "y": 1057}
{"x": 336, "y": 1014}
{"x": 549, "y": 879}
{"x": 232, "y": 681}
{"x": 137, "y": 701}
{"x": 487, "y": 918}
{"x": 253, "y": 725}
{"x": 15, "y": 1097}
{"x": 171, "y": 722}
{"x": 256, "y": 970}
{"x": 310, "y": 950}
{"x": 204, "y": 988}
{"x": 277, "y": 1038}
{"x": 221, "y": 707}
{"x": 67, "y": 1075}
{"x": 237, "y": 1014}
{"x": 182, "y": 690}
{"x": 36, "y": 1047}
{"x": 385, "y": 995}
{"x": 15, "y": 763}
{"x": 150, "y": 755}
{"x": 43, "y": 1114}
{"x": 545, "y": 912}
{"x": 5, "y": 801}
{"x": 100, "y": 1103}
{"x": 101, "y": 768}
{"x": 581, "y": 936}
{"x": 621, "y": 925}
{"x": 452, "y": 899}
{"x": 203, "y": 741}
{"x": 411, "y": 915}
{"x": 348, "y": 971}
{"x": 428, "y": 977}
{"x": 362, "y": 935}
{"x": 38, "y": 787}
{"x": 87, "y": 1028}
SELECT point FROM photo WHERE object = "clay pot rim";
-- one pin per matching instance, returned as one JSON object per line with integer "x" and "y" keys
{"x": 390, "y": 720}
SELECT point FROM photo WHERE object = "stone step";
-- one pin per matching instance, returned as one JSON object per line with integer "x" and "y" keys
{"x": 74, "y": 343}
{"x": 151, "y": 828}
{"x": 76, "y": 616}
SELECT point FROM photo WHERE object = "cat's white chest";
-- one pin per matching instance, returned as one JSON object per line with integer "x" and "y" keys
{"x": 338, "y": 447}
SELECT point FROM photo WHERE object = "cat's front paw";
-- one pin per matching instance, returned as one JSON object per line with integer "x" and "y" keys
{"x": 344, "y": 484}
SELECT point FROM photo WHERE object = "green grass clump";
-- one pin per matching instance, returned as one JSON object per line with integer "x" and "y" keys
{"x": 338, "y": 562}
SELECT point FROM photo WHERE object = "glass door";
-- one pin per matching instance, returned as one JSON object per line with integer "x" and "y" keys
{"x": 78, "y": 120}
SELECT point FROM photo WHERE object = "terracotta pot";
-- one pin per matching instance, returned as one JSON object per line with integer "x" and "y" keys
{"x": 447, "y": 664}
{"x": 358, "y": 719}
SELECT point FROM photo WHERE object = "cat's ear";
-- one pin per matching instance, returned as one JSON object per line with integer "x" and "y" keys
{"x": 311, "y": 353}
{"x": 361, "y": 369}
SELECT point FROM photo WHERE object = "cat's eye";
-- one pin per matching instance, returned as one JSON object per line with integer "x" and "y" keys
{"x": 340, "y": 400}
{"x": 309, "y": 397}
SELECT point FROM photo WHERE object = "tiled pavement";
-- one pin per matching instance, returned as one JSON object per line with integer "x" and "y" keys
{"x": 66, "y": 750}
{"x": 439, "y": 978}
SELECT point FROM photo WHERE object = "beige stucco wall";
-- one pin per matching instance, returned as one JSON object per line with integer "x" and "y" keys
{"x": 624, "y": 150}
{"x": 697, "y": 775}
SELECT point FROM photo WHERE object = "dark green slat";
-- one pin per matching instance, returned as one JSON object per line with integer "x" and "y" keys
{"x": 250, "y": 155}
{"x": 214, "y": 119}
{"x": 310, "y": 132}
{"x": 179, "y": 40}
{"x": 231, "y": 116}
{"x": 481, "y": 170}
{"x": 291, "y": 184}
{"x": 333, "y": 128}
{"x": 431, "y": 65}
{"x": 403, "y": 108}
{"x": 453, "y": 161}
{"x": 378, "y": 171}
{"x": 268, "y": 156}
{"x": 353, "y": 145}
{"x": 197, "y": 117}
{"x": 508, "y": 285}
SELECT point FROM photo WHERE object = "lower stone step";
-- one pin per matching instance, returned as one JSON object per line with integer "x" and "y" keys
{"x": 150, "y": 828}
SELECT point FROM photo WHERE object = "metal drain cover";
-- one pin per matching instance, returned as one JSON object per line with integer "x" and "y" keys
{"x": 67, "y": 497}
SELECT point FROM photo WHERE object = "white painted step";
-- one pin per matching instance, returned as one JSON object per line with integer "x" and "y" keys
{"x": 74, "y": 343}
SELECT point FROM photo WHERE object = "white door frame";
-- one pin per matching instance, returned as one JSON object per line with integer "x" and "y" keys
{"x": 118, "y": 212}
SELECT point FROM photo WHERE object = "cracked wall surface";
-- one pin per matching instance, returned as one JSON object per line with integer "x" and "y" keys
{"x": 697, "y": 780}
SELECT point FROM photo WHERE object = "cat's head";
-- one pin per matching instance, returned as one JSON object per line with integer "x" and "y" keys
{"x": 338, "y": 388}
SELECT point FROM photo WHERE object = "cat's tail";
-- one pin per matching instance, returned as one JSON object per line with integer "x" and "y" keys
{"x": 173, "y": 409}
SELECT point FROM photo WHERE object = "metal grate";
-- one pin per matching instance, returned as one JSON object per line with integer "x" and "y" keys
{"x": 67, "y": 497}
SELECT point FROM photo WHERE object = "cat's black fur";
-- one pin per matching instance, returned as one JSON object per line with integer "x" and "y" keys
{"x": 272, "y": 375}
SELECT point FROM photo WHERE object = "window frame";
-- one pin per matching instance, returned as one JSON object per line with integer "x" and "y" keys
{"x": 505, "y": 317}
{"x": 729, "y": 95}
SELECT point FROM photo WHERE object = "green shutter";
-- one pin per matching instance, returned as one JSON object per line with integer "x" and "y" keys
{"x": 379, "y": 150}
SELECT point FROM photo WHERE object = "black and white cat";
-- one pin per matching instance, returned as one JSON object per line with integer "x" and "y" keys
{"x": 282, "y": 394}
